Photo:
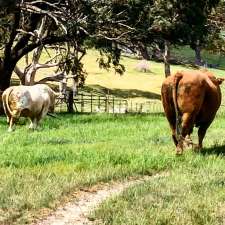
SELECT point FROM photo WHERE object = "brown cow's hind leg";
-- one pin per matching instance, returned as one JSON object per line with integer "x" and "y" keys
{"x": 188, "y": 141}
{"x": 173, "y": 128}
{"x": 186, "y": 129}
{"x": 201, "y": 134}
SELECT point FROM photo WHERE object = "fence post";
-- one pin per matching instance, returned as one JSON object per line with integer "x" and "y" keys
{"x": 70, "y": 102}
{"x": 82, "y": 103}
{"x": 99, "y": 103}
{"x": 141, "y": 108}
{"x": 106, "y": 100}
{"x": 91, "y": 103}
{"x": 120, "y": 107}
{"x": 127, "y": 110}
{"x": 113, "y": 105}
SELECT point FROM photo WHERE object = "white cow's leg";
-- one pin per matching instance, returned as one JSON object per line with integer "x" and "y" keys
{"x": 33, "y": 124}
{"x": 42, "y": 114}
{"x": 8, "y": 119}
{"x": 11, "y": 123}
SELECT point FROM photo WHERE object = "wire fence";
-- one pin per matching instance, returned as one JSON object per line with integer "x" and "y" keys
{"x": 92, "y": 103}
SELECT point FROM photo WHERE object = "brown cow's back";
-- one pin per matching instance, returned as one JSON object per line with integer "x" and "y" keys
{"x": 197, "y": 96}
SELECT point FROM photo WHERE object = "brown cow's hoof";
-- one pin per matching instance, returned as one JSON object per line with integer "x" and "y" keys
{"x": 196, "y": 148}
{"x": 188, "y": 144}
{"x": 179, "y": 151}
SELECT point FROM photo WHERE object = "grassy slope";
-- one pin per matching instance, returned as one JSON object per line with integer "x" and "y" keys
{"x": 192, "y": 194}
{"x": 40, "y": 168}
{"x": 134, "y": 85}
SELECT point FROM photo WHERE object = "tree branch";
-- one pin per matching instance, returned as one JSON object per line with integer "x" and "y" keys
{"x": 48, "y": 40}
{"x": 55, "y": 77}
{"x": 18, "y": 72}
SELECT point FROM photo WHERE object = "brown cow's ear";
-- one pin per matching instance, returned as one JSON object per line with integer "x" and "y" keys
{"x": 220, "y": 80}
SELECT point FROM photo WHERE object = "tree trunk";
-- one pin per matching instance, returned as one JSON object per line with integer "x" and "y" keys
{"x": 6, "y": 70}
{"x": 144, "y": 52}
{"x": 166, "y": 58}
{"x": 198, "y": 58}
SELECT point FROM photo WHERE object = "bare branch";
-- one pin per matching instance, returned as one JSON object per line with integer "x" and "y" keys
{"x": 27, "y": 32}
{"x": 52, "y": 58}
{"x": 113, "y": 38}
{"x": 34, "y": 9}
{"x": 54, "y": 77}
{"x": 44, "y": 66}
{"x": 18, "y": 72}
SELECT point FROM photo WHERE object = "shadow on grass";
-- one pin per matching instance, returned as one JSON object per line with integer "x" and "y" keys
{"x": 121, "y": 93}
{"x": 215, "y": 150}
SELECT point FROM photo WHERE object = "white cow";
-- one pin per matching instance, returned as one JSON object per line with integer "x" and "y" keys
{"x": 33, "y": 102}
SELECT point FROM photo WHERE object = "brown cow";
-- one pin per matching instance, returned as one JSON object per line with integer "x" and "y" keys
{"x": 190, "y": 98}
{"x": 28, "y": 101}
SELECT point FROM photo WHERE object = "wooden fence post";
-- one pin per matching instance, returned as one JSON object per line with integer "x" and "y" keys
{"x": 82, "y": 103}
{"x": 113, "y": 105}
{"x": 120, "y": 107}
{"x": 91, "y": 103}
{"x": 99, "y": 103}
{"x": 106, "y": 103}
{"x": 70, "y": 102}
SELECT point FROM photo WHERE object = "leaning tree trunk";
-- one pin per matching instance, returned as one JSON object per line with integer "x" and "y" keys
{"x": 144, "y": 51}
{"x": 6, "y": 70}
{"x": 166, "y": 58}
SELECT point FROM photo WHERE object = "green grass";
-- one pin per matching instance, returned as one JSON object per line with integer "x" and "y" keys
{"x": 187, "y": 54}
{"x": 193, "y": 193}
{"x": 39, "y": 169}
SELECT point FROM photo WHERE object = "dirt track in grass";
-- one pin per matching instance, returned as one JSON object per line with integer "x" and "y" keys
{"x": 77, "y": 210}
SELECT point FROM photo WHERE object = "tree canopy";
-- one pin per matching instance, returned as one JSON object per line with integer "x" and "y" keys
{"x": 72, "y": 26}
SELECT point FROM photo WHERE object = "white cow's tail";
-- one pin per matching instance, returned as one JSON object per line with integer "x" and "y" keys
{"x": 7, "y": 102}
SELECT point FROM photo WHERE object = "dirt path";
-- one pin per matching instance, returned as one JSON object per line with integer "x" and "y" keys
{"x": 76, "y": 212}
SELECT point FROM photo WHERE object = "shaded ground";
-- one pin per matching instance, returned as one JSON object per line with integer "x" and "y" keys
{"x": 122, "y": 93}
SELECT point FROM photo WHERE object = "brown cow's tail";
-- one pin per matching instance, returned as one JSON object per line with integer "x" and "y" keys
{"x": 177, "y": 78}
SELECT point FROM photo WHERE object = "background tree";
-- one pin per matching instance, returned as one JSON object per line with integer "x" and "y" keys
{"x": 71, "y": 26}
{"x": 40, "y": 24}
{"x": 215, "y": 41}
{"x": 159, "y": 24}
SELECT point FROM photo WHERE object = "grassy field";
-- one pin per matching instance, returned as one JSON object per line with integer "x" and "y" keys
{"x": 133, "y": 85}
{"x": 38, "y": 169}
{"x": 193, "y": 193}
{"x": 41, "y": 169}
